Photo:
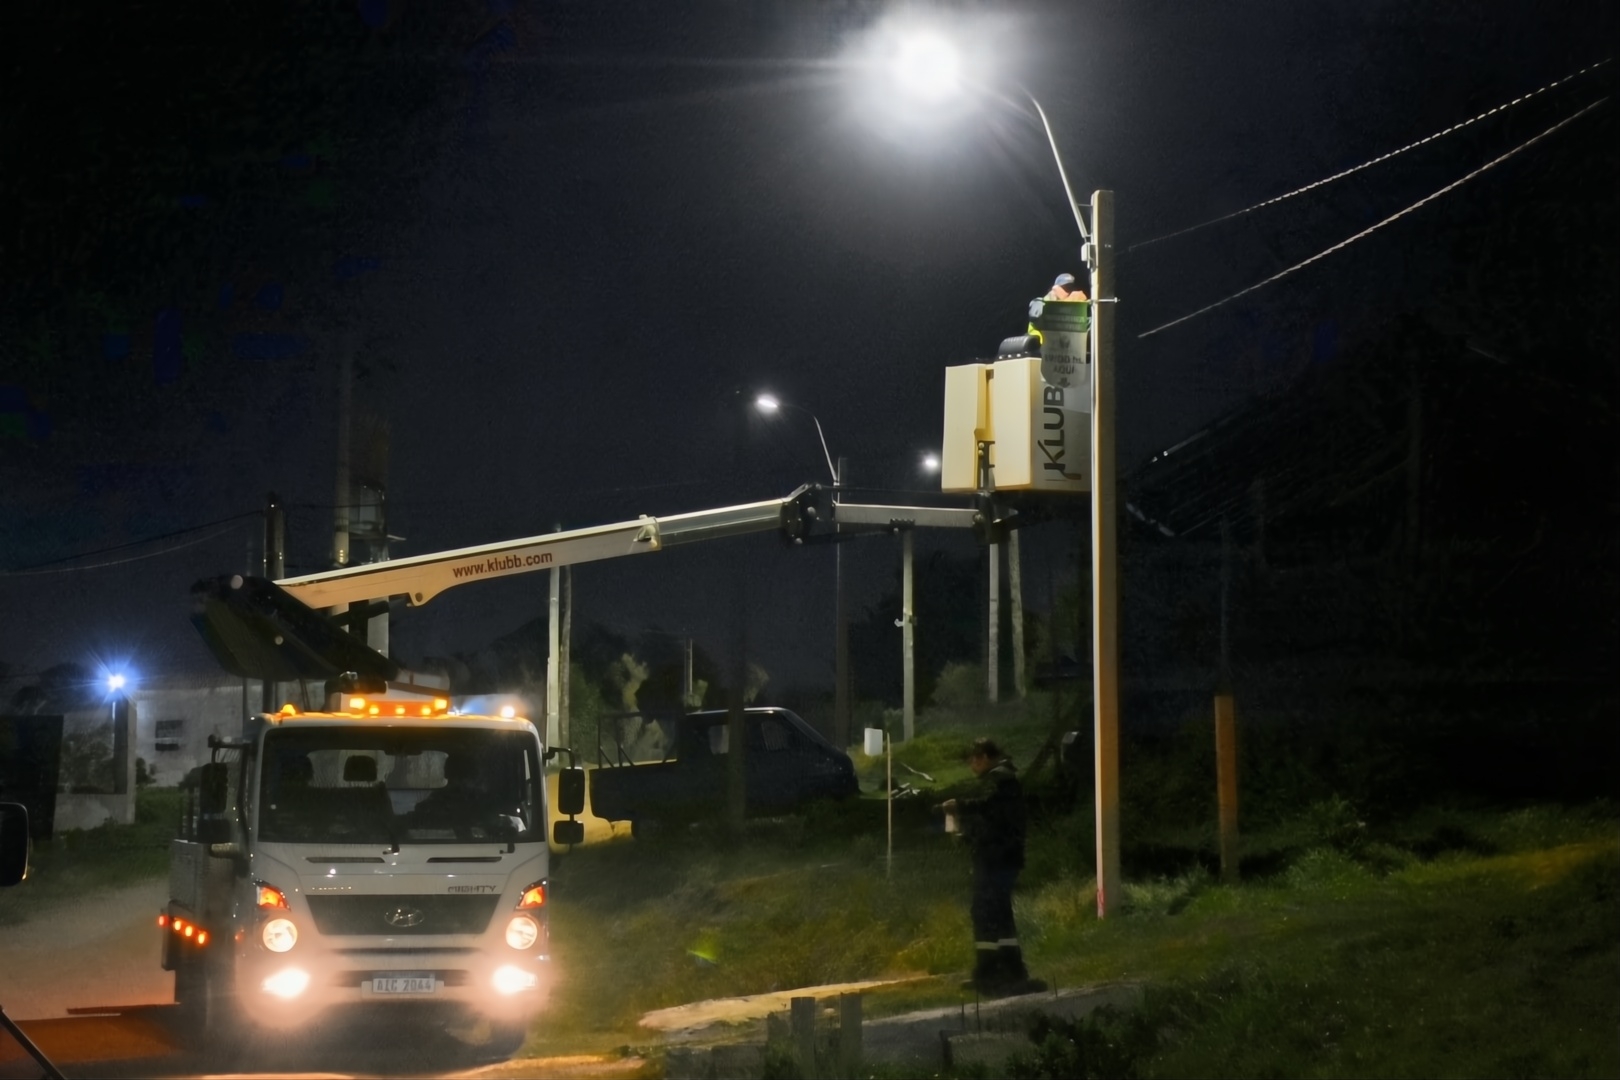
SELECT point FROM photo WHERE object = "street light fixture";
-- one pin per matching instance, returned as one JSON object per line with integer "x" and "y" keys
{"x": 927, "y": 67}
{"x": 926, "y": 54}
{"x": 770, "y": 403}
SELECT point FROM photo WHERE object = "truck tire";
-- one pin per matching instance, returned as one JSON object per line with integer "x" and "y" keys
{"x": 206, "y": 993}
{"x": 505, "y": 1039}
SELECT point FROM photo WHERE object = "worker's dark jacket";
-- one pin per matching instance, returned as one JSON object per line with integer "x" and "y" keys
{"x": 993, "y": 823}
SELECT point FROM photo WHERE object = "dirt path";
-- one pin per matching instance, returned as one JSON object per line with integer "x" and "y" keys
{"x": 99, "y": 951}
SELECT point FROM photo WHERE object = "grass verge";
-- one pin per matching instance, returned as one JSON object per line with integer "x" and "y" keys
{"x": 76, "y": 862}
{"x": 1450, "y": 943}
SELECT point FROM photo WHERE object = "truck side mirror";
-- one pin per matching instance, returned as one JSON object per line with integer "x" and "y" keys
{"x": 571, "y": 792}
{"x": 568, "y": 832}
{"x": 213, "y": 789}
{"x": 14, "y": 842}
{"x": 213, "y": 803}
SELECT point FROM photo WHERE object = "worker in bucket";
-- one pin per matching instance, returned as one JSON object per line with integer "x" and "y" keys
{"x": 1064, "y": 287}
{"x": 993, "y": 824}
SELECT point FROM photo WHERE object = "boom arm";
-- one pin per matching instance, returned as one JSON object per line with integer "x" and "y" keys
{"x": 275, "y": 629}
{"x": 420, "y": 578}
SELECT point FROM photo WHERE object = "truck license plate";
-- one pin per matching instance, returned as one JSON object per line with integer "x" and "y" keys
{"x": 403, "y": 984}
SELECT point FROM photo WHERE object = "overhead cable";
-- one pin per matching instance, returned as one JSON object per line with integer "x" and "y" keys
{"x": 1374, "y": 228}
{"x": 1375, "y": 161}
{"x": 120, "y": 562}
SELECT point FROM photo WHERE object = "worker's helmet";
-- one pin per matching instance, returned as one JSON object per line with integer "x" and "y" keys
{"x": 1064, "y": 280}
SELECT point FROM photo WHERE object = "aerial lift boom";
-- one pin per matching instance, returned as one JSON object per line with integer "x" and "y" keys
{"x": 265, "y": 629}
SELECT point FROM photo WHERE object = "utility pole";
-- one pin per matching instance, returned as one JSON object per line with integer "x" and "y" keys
{"x": 736, "y": 793}
{"x": 992, "y": 659}
{"x": 1104, "y": 553}
{"x": 565, "y": 662}
{"x": 275, "y": 568}
{"x": 841, "y": 706}
{"x": 686, "y": 677}
{"x": 554, "y": 656}
{"x": 343, "y": 494}
{"x": 1015, "y": 584}
{"x": 908, "y": 632}
{"x": 1226, "y": 778}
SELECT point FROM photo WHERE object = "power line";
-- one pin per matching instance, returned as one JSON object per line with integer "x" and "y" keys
{"x": 1375, "y": 161}
{"x": 120, "y": 562}
{"x": 37, "y": 567}
{"x": 1373, "y": 228}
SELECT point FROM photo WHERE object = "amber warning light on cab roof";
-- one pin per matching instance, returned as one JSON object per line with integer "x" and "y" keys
{"x": 381, "y": 707}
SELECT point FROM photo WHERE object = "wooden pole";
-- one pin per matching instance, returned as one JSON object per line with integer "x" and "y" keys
{"x": 1226, "y": 783}
{"x": 1104, "y": 553}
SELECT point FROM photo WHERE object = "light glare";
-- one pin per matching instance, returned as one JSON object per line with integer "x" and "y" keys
{"x": 512, "y": 980}
{"x": 927, "y": 67}
{"x": 767, "y": 403}
{"x": 930, "y": 463}
{"x": 115, "y": 682}
{"x": 287, "y": 984}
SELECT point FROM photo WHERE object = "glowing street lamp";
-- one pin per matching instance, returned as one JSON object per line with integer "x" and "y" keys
{"x": 115, "y": 682}
{"x": 927, "y": 67}
{"x": 770, "y": 403}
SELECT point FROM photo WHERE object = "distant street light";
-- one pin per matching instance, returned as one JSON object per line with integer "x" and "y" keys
{"x": 115, "y": 682}
{"x": 930, "y": 463}
{"x": 770, "y": 403}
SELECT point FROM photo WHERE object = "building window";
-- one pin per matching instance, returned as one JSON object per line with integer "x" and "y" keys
{"x": 168, "y": 734}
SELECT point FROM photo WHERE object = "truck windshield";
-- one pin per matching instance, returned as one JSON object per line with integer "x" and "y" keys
{"x": 353, "y": 785}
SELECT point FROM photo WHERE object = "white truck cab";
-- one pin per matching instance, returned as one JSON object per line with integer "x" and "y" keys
{"x": 388, "y": 853}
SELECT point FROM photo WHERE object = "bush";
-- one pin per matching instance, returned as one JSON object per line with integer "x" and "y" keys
{"x": 960, "y": 686}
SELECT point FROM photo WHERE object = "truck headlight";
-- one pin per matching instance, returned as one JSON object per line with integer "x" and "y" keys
{"x": 512, "y": 980}
{"x": 288, "y": 983}
{"x": 279, "y": 935}
{"x": 522, "y": 932}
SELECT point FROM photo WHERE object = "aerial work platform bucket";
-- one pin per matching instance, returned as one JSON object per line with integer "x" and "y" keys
{"x": 1065, "y": 327}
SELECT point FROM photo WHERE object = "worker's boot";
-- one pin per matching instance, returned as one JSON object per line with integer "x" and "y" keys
{"x": 1014, "y": 975}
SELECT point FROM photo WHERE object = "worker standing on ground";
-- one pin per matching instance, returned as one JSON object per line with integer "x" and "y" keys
{"x": 993, "y": 824}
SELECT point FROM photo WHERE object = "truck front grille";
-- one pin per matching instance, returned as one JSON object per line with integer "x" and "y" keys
{"x": 402, "y": 915}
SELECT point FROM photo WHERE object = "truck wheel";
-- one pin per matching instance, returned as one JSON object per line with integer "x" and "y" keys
{"x": 208, "y": 1007}
{"x": 505, "y": 1039}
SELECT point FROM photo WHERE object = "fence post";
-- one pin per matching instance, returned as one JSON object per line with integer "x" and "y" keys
{"x": 803, "y": 1011}
{"x": 849, "y": 1034}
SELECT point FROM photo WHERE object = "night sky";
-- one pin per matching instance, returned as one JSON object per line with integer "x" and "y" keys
{"x": 589, "y": 224}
